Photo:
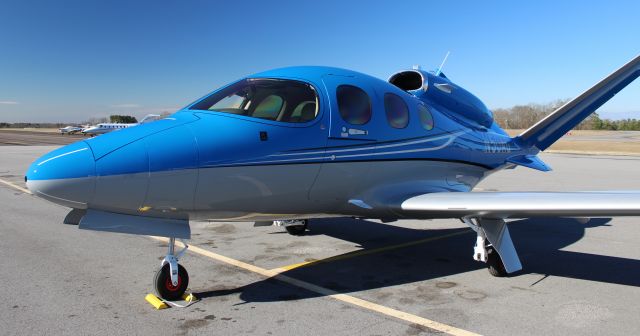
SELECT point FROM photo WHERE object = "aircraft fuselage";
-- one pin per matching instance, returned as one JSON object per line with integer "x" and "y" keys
{"x": 203, "y": 163}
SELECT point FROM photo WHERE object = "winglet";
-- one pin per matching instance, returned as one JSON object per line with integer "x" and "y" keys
{"x": 360, "y": 203}
{"x": 548, "y": 130}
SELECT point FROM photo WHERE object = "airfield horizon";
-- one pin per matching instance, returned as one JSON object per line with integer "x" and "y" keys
{"x": 592, "y": 142}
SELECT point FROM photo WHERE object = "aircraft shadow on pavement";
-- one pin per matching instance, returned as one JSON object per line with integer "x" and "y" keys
{"x": 538, "y": 241}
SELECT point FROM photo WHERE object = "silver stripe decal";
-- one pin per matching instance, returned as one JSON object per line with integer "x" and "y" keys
{"x": 403, "y": 151}
{"x": 456, "y": 134}
{"x": 61, "y": 155}
{"x": 451, "y": 137}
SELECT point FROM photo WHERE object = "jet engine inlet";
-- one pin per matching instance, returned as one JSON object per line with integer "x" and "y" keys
{"x": 409, "y": 80}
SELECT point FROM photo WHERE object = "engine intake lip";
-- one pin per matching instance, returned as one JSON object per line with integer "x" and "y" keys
{"x": 409, "y": 80}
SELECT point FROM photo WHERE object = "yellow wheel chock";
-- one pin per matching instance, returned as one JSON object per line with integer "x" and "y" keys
{"x": 158, "y": 303}
{"x": 155, "y": 302}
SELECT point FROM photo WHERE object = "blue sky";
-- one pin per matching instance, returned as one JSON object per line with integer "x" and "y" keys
{"x": 68, "y": 61}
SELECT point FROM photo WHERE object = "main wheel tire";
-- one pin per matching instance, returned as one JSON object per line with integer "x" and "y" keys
{"x": 297, "y": 230}
{"x": 495, "y": 265}
{"x": 165, "y": 289}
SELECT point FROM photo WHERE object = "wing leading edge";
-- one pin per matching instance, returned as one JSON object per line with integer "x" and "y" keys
{"x": 485, "y": 213}
{"x": 524, "y": 204}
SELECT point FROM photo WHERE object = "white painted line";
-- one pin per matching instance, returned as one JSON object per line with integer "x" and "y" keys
{"x": 12, "y": 185}
{"x": 276, "y": 274}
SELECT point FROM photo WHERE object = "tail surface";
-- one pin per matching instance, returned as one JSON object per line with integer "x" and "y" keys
{"x": 548, "y": 130}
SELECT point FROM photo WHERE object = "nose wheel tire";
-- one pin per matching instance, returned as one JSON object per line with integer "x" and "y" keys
{"x": 165, "y": 288}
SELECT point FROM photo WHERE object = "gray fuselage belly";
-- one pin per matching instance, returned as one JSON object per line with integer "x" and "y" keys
{"x": 322, "y": 190}
{"x": 272, "y": 192}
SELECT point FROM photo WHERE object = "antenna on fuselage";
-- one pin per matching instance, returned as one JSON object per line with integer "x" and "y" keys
{"x": 442, "y": 64}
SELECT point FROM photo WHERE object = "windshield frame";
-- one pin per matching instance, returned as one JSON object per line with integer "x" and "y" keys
{"x": 318, "y": 98}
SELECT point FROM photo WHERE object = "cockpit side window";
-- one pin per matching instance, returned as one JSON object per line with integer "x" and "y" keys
{"x": 270, "y": 99}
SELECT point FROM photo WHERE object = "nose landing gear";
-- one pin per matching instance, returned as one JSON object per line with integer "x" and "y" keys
{"x": 172, "y": 279}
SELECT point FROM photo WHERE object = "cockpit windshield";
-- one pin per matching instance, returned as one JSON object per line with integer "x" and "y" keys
{"x": 270, "y": 99}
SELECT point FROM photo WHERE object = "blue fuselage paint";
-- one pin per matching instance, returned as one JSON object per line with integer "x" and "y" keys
{"x": 170, "y": 165}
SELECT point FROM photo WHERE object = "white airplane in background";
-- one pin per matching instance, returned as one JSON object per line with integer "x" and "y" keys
{"x": 71, "y": 129}
{"x": 108, "y": 127}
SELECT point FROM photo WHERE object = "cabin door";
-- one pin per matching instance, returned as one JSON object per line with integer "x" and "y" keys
{"x": 352, "y": 135}
{"x": 351, "y": 104}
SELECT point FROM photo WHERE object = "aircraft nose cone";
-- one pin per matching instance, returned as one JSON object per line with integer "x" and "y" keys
{"x": 64, "y": 176}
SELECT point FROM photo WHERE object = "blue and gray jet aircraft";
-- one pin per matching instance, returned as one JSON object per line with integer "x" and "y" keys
{"x": 297, "y": 143}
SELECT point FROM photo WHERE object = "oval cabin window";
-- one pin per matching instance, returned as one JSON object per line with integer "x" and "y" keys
{"x": 426, "y": 118}
{"x": 396, "y": 110}
{"x": 354, "y": 104}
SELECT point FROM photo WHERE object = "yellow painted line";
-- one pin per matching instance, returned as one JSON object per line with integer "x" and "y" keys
{"x": 371, "y": 251}
{"x": 368, "y": 305}
{"x": 300, "y": 264}
{"x": 13, "y": 185}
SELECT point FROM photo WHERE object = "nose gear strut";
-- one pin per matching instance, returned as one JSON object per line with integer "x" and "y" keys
{"x": 172, "y": 279}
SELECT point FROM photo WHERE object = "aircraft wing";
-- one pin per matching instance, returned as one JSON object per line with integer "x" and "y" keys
{"x": 523, "y": 204}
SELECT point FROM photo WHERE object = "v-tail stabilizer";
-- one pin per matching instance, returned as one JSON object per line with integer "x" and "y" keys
{"x": 548, "y": 130}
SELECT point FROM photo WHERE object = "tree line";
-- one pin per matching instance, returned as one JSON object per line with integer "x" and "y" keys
{"x": 115, "y": 118}
{"x": 525, "y": 116}
{"x": 516, "y": 117}
{"x": 122, "y": 119}
{"x": 31, "y": 125}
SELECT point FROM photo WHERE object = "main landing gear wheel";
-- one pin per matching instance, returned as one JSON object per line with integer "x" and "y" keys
{"x": 296, "y": 230}
{"x": 295, "y": 227}
{"x": 494, "y": 264}
{"x": 164, "y": 286}
{"x": 494, "y": 230}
